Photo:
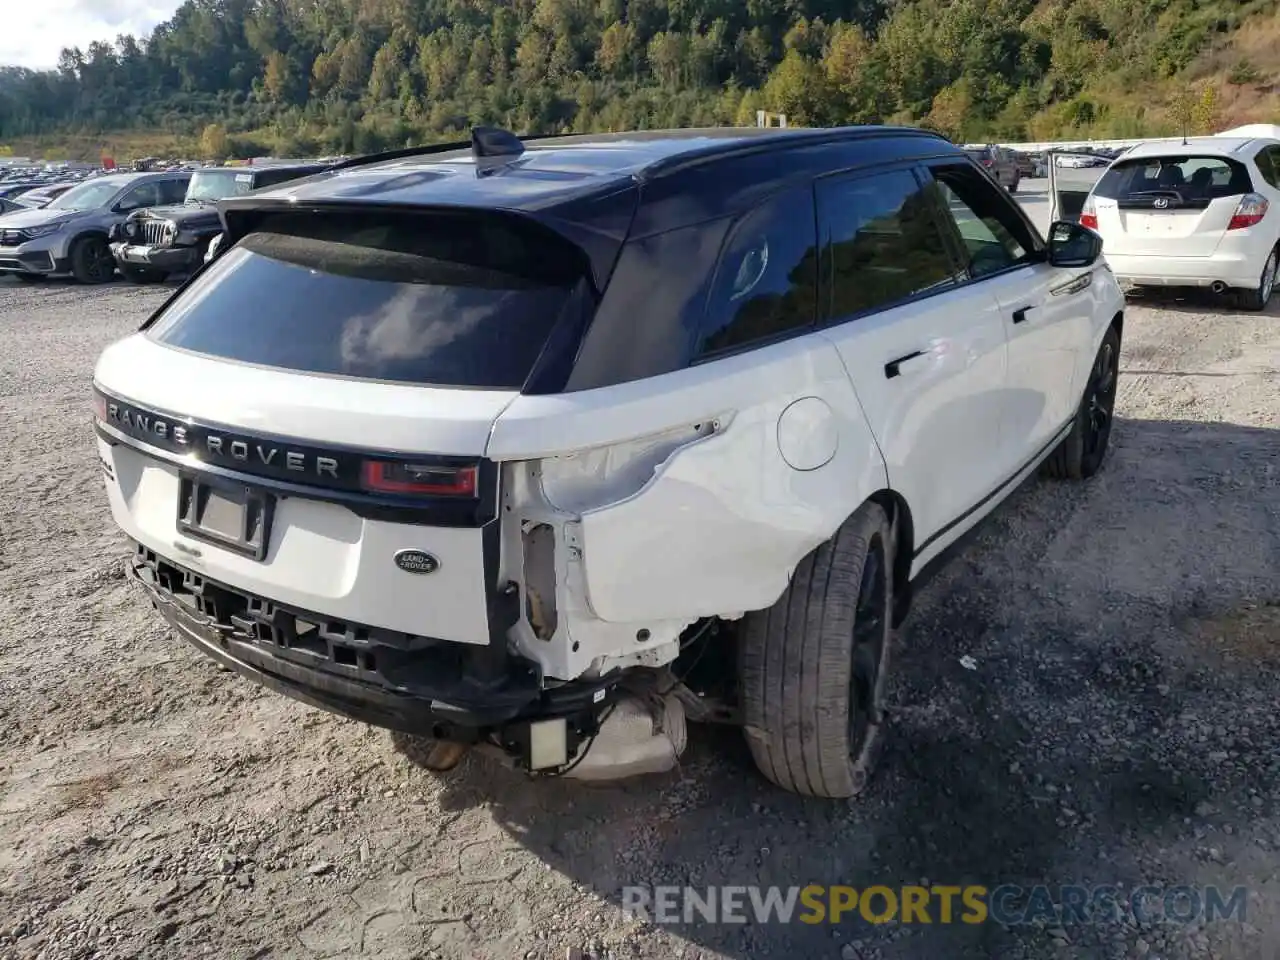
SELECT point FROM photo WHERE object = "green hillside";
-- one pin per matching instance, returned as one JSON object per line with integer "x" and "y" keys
{"x": 323, "y": 76}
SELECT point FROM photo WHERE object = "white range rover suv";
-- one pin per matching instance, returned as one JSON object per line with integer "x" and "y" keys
{"x": 549, "y": 449}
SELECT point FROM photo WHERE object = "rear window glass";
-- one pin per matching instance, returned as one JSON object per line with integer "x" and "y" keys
{"x": 447, "y": 301}
{"x": 1191, "y": 177}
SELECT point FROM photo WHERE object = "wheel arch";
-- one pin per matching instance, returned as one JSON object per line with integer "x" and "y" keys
{"x": 899, "y": 511}
{"x": 89, "y": 233}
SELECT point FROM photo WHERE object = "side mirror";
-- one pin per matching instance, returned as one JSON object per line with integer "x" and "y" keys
{"x": 1071, "y": 245}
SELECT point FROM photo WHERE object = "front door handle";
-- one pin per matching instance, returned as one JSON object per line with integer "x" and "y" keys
{"x": 904, "y": 363}
{"x": 1020, "y": 314}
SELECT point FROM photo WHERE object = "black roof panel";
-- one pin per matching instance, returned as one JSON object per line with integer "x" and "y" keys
{"x": 555, "y": 170}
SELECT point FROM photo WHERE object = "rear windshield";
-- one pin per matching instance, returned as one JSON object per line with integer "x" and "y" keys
{"x": 1191, "y": 178}
{"x": 463, "y": 301}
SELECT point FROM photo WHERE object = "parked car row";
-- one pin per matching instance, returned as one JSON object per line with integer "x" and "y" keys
{"x": 23, "y": 188}
{"x": 148, "y": 225}
{"x": 155, "y": 242}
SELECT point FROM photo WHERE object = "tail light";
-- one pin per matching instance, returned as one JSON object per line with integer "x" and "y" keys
{"x": 1250, "y": 211}
{"x": 1089, "y": 214}
{"x": 99, "y": 406}
{"x": 421, "y": 479}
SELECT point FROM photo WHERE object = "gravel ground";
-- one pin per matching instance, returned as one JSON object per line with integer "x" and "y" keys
{"x": 1118, "y": 725}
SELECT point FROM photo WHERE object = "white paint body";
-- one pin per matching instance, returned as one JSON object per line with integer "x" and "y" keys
{"x": 647, "y": 505}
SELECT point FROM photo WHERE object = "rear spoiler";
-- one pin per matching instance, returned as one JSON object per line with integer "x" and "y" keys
{"x": 1070, "y": 186}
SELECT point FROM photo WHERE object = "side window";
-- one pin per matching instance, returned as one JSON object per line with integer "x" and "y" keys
{"x": 994, "y": 237}
{"x": 269, "y": 178}
{"x": 143, "y": 195}
{"x": 884, "y": 242}
{"x": 1266, "y": 161}
{"x": 766, "y": 281}
{"x": 173, "y": 191}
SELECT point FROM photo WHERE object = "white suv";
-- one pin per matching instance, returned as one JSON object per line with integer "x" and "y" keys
{"x": 1201, "y": 213}
{"x": 547, "y": 449}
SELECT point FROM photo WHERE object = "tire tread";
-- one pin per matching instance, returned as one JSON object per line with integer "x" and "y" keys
{"x": 796, "y": 662}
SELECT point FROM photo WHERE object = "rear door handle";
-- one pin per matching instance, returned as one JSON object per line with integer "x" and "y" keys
{"x": 1020, "y": 314}
{"x": 905, "y": 363}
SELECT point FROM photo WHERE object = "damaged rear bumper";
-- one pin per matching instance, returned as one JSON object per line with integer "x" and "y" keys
{"x": 411, "y": 684}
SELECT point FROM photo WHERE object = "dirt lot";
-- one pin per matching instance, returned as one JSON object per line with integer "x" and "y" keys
{"x": 1120, "y": 724}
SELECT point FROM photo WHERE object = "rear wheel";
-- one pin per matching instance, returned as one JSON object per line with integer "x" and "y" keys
{"x": 91, "y": 260}
{"x": 1081, "y": 453}
{"x": 813, "y": 665}
{"x": 1259, "y": 298}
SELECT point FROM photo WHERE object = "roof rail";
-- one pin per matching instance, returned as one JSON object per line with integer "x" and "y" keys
{"x": 495, "y": 142}
{"x": 422, "y": 151}
{"x": 788, "y": 135}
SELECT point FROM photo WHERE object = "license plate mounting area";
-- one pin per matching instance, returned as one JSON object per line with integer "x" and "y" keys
{"x": 231, "y": 515}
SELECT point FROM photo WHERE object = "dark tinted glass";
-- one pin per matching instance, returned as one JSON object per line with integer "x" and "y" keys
{"x": 269, "y": 178}
{"x": 994, "y": 236}
{"x": 1266, "y": 161}
{"x": 143, "y": 195}
{"x": 766, "y": 281}
{"x": 454, "y": 301}
{"x": 885, "y": 242}
{"x": 173, "y": 191}
{"x": 1192, "y": 177}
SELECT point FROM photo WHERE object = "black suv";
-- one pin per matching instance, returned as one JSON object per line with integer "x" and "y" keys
{"x": 153, "y": 243}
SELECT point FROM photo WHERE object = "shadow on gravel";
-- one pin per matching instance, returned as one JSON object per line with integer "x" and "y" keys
{"x": 1098, "y": 716}
{"x": 1195, "y": 300}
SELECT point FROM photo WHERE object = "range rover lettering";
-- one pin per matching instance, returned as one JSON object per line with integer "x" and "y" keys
{"x": 544, "y": 448}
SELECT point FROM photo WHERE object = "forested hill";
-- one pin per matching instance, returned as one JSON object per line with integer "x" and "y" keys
{"x": 297, "y": 76}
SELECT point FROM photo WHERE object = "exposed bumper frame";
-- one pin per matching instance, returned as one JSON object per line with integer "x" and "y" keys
{"x": 440, "y": 695}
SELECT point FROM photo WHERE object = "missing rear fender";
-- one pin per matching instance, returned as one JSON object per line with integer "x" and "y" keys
{"x": 617, "y": 550}
{"x": 543, "y": 553}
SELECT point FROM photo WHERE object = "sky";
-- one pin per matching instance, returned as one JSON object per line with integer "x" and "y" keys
{"x": 33, "y": 33}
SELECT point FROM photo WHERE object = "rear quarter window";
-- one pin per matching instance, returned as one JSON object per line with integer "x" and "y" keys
{"x": 766, "y": 283}
{"x": 1192, "y": 177}
{"x": 466, "y": 301}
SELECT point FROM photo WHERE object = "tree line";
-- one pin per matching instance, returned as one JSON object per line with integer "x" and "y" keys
{"x": 307, "y": 76}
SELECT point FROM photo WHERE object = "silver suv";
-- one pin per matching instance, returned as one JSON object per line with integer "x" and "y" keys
{"x": 69, "y": 236}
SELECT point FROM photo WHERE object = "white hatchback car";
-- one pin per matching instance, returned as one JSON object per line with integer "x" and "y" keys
{"x": 1193, "y": 214}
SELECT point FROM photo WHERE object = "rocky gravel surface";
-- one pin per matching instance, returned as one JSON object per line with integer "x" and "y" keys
{"x": 1087, "y": 696}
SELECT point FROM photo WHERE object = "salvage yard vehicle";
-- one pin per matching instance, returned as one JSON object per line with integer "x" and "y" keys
{"x": 69, "y": 234}
{"x": 1193, "y": 214}
{"x": 998, "y": 161}
{"x": 545, "y": 447}
{"x": 43, "y": 196}
{"x": 155, "y": 242}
